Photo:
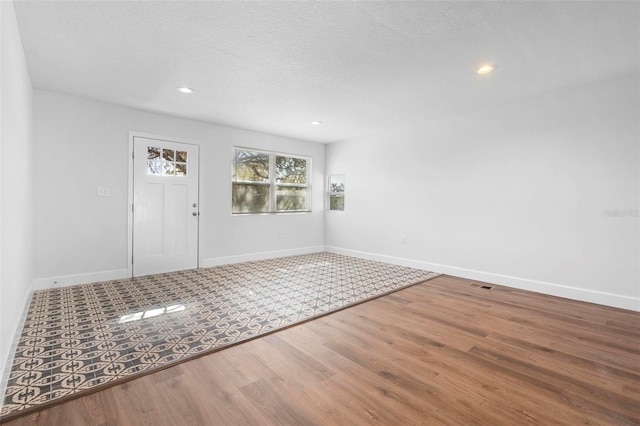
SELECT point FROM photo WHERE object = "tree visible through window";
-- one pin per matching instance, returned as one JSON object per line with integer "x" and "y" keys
{"x": 268, "y": 182}
{"x": 336, "y": 192}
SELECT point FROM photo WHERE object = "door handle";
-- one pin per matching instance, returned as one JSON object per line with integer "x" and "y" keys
{"x": 195, "y": 213}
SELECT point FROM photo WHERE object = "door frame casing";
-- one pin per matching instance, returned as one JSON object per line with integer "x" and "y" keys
{"x": 130, "y": 191}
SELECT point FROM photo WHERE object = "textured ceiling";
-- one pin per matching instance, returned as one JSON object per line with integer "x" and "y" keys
{"x": 359, "y": 67}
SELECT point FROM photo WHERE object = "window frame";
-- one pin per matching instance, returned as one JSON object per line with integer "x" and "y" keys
{"x": 272, "y": 182}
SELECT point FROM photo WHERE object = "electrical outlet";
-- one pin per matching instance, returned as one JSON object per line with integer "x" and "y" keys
{"x": 403, "y": 239}
{"x": 104, "y": 192}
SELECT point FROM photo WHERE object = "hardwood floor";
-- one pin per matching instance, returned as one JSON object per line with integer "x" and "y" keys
{"x": 441, "y": 352}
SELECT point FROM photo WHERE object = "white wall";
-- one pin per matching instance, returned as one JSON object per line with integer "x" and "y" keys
{"x": 517, "y": 194}
{"x": 82, "y": 145}
{"x": 16, "y": 208}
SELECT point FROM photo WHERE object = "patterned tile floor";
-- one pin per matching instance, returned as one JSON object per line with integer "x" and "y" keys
{"x": 80, "y": 337}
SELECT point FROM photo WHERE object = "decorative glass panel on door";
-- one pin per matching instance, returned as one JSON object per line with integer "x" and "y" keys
{"x": 169, "y": 154}
{"x": 170, "y": 163}
{"x": 181, "y": 156}
{"x": 154, "y": 167}
{"x": 181, "y": 169}
{"x": 169, "y": 169}
{"x": 153, "y": 153}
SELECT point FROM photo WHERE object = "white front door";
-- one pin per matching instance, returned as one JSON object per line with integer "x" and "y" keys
{"x": 165, "y": 206}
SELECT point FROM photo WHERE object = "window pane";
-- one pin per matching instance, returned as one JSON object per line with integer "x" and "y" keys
{"x": 169, "y": 169}
{"x": 336, "y": 183}
{"x": 247, "y": 198}
{"x": 251, "y": 166}
{"x": 181, "y": 169}
{"x": 336, "y": 202}
{"x": 181, "y": 156}
{"x": 154, "y": 167}
{"x": 291, "y": 198}
{"x": 291, "y": 170}
{"x": 168, "y": 154}
{"x": 153, "y": 153}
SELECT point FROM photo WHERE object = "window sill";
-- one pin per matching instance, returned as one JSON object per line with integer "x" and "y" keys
{"x": 297, "y": 212}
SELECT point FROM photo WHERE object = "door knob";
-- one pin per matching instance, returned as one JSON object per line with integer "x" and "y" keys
{"x": 195, "y": 213}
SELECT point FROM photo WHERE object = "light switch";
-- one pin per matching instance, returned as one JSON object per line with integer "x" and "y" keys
{"x": 104, "y": 192}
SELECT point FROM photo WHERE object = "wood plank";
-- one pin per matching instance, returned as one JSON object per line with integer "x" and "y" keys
{"x": 441, "y": 352}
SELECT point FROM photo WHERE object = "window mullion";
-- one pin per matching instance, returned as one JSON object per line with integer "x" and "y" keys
{"x": 272, "y": 181}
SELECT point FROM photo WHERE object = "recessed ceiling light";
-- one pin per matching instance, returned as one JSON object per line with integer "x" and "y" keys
{"x": 185, "y": 90}
{"x": 486, "y": 69}
{"x": 316, "y": 123}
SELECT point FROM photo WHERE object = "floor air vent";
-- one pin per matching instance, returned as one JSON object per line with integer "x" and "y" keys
{"x": 484, "y": 287}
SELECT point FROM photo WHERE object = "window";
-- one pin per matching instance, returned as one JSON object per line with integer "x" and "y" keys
{"x": 269, "y": 182}
{"x": 166, "y": 162}
{"x": 336, "y": 192}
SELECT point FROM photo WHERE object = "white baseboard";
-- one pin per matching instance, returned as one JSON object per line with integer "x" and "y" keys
{"x": 67, "y": 280}
{"x": 94, "y": 277}
{"x": 575, "y": 293}
{"x": 225, "y": 260}
{"x": 5, "y": 368}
